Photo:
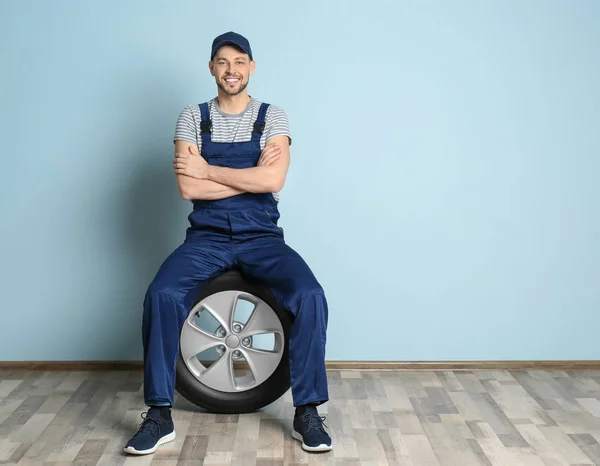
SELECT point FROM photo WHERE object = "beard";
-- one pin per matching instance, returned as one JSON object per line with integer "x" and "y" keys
{"x": 234, "y": 91}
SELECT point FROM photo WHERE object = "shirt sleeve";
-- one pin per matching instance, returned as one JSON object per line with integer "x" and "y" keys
{"x": 277, "y": 123}
{"x": 185, "y": 129}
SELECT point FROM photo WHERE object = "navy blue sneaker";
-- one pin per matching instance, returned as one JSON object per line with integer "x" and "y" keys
{"x": 309, "y": 429}
{"x": 154, "y": 431}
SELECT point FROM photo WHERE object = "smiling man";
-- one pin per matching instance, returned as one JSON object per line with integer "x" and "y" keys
{"x": 232, "y": 155}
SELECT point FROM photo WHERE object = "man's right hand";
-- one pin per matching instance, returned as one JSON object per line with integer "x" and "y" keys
{"x": 270, "y": 154}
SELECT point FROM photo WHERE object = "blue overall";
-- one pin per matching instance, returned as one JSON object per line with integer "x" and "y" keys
{"x": 240, "y": 231}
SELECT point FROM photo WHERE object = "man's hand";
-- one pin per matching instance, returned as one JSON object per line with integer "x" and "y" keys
{"x": 270, "y": 154}
{"x": 191, "y": 163}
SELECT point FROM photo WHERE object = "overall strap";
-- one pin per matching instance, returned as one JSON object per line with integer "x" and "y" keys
{"x": 205, "y": 124}
{"x": 259, "y": 124}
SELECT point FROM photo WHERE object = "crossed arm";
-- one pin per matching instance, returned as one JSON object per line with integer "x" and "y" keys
{"x": 196, "y": 179}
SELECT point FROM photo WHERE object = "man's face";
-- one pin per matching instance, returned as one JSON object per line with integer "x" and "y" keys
{"x": 232, "y": 70}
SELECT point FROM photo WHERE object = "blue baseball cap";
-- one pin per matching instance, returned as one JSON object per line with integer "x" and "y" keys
{"x": 231, "y": 38}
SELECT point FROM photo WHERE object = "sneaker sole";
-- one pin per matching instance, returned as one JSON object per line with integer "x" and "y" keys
{"x": 321, "y": 447}
{"x": 167, "y": 438}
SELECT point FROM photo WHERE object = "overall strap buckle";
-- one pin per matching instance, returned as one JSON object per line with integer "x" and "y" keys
{"x": 206, "y": 126}
{"x": 259, "y": 127}
{"x": 259, "y": 124}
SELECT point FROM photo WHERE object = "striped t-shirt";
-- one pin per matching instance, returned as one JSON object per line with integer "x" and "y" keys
{"x": 232, "y": 127}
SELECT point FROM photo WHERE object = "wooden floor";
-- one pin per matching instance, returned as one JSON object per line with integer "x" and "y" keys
{"x": 376, "y": 418}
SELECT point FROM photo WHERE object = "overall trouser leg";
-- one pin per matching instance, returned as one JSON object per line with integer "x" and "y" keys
{"x": 281, "y": 269}
{"x": 166, "y": 305}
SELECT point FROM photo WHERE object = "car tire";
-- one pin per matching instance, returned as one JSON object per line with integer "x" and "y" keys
{"x": 189, "y": 376}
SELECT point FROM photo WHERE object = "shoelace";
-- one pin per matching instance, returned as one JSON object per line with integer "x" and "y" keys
{"x": 314, "y": 421}
{"x": 149, "y": 424}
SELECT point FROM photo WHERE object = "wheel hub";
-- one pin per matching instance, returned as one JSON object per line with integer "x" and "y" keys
{"x": 232, "y": 341}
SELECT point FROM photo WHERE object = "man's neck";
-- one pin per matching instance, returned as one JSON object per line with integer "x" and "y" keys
{"x": 233, "y": 104}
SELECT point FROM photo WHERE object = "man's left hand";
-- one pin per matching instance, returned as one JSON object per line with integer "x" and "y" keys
{"x": 191, "y": 164}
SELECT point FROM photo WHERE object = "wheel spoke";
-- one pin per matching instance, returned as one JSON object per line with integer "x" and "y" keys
{"x": 262, "y": 363}
{"x": 220, "y": 375}
{"x": 262, "y": 320}
{"x": 194, "y": 341}
{"x": 222, "y": 307}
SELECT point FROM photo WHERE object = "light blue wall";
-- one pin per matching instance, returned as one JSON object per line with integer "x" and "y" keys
{"x": 453, "y": 150}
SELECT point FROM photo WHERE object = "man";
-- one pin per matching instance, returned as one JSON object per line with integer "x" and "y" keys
{"x": 231, "y": 160}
